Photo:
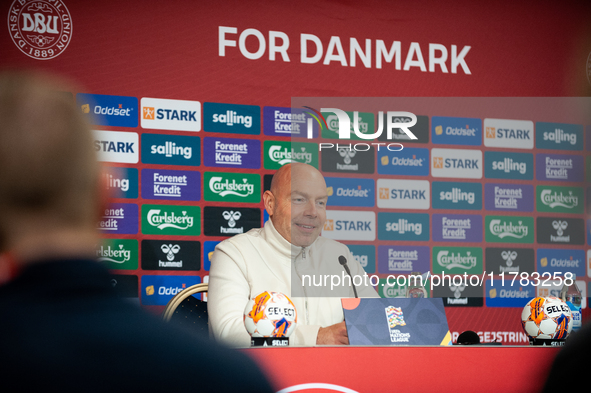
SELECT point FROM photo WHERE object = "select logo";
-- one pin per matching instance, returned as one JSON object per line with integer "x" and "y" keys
{"x": 115, "y": 146}
{"x": 231, "y": 153}
{"x": 560, "y": 167}
{"x": 505, "y": 229}
{"x": 232, "y": 187}
{"x": 561, "y": 261}
{"x": 175, "y": 115}
{"x": 118, "y": 254}
{"x": 343, "y": 191}
{"x": 279, "y": 121}
{"x": 556, "y": 199}
{"x": 510, "y": 260}
{"x": 559, "y": 136}
{"x": 105, "y": 110}
{"x": 403, "y": 226}
{"x": 409, "y": 162}
{"x": 171, "y": 255}
{"x": 457, "y": 228}
{"x": 171, "y": 185}
{"x": 158, "y": 290}
{"x": 509, "y": 197}
{"x": 403, "y": 259}
{"x": 502, "y": 165}
{"x": 119, "y": 218}
{"x": 457, "y": 260}
{"x": 279, "y": 153}
{"x": 171, "y": 220}
{"x": 231, "y": 118}
{"x": 555, "y": 230}
{"x": 230, "y": 221}
{"x": 456, "y": 163}
{"x": 455, "y": 195}
{"x": 171, "y": 149}
{"x": 365, "y": 255}
{"x": 350, "y": 225}
{"x": 403, "y": 194}
{"x": 456, "y": 131}
{"x": 509, "y": 134}
{"x": 121, "y": 182}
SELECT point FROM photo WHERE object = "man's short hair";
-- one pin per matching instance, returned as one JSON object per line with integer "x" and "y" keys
{"x": 47, "y": 161}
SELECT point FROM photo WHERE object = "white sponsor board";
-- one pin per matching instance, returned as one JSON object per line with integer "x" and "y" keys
{"x": 403, "y": 194}
{"x": 458, "y": 163}
{"x": 116, "y": 146}
{"x": 350, "y": 225}
{"x": 165, "y": 114}
{"x": 511, "y": 134}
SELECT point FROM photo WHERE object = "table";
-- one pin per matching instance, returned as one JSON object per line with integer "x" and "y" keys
{"x": 406, "y": 369}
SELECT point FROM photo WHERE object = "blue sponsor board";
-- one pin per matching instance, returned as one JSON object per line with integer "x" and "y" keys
{"x": 208, "y": 249}
{"x": 409, "y": 161}
{"x": 365, "y": 255}
{"x": 119, "y": 219}
{"x": 560, "y": 167}
{"x": 280, "y": 121}
{"x": 559, "y": 136}
{"x": 589, "y": 233}
{"x": 232, "y": 118}
{"x": 231, "y": 153}
{"x": 403, "y": 259}
{"x": 561, "y": 261}
{"x": 104, "y": 110}
{"x": 503, "y": 165}
{"x": 456, "y": 195}
{"x": 343, "y": 191}
{"x": 158, "y": 290}
{"x": 456, "y": 131}
{"x": 500, "y": 293}
{"x": 510, "y": 197}
{"x": 121, "y": 182}
{"x": 171, "y": 149}
{"x": 171, "y": 185}
{"x": 403, "y": 226}
{"x": 588, "y": 138}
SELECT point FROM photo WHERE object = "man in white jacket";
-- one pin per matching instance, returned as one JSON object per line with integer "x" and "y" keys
{"x": 277, "y": 257}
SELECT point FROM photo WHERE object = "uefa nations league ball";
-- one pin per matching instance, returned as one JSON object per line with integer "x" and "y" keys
{"x": 270, "y": 314}
{"x": 546, "y": 318}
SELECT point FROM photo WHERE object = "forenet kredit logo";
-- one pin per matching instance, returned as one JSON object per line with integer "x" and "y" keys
{"x": 41, "y": 29}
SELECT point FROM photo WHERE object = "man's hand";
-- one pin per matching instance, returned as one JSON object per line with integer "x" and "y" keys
{"x": 333, "y": 335}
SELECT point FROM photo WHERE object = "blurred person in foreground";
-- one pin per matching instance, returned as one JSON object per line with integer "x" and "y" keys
{"x": 277, "y": 257}
{"x": 63, "y": 327}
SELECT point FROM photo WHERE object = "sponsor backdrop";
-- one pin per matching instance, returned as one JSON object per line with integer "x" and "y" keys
{"x": 190, "y": 105}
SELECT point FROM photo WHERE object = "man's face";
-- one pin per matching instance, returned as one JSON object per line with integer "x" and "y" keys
{"x": 300, "y": 207}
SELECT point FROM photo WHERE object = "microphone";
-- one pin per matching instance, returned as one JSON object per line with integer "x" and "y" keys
{"x": 343, "y": 262}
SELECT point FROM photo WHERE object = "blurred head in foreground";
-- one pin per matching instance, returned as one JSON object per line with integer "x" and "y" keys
{"x": 49, "y": 175}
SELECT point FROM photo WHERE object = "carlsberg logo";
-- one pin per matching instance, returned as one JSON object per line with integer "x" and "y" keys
{"x": 282, "y": 155}
{"x": 112, "y": 254}
{"x": 554, "y": 199}
{"x": 230, "y": 187}
{"x": 169, "y": 220}
{"x": 505, "y": 229}
{"x": 449, "y": 261}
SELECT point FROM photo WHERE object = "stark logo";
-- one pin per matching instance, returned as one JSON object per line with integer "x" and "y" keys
{"x": 41, "y": 29}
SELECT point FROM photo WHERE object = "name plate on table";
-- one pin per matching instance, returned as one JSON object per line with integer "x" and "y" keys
{"x": 396, "y": 321}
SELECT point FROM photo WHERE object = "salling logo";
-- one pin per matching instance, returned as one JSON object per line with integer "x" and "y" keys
{"x": 230, "y": 118}
{"x": 165, "y": 114}
{"x": 504, "y": 229}
{"x": 112, "y": 254}
{"x": 282, "y": 155}
{"x": 169, "y": 220}
{"x": 170, "y": 250}
{"x": 403, "y": 226}
{"x": 456, "y": 260}
{"x": 559, "y": 136}
{"x": 456, "y": 195}
{"x": 40, "y": 29}
{"x": 231, "y": 217}
{"x": 225, "y": 187}
{"x": 170, "y": 149}
{"x": 554, "y": 199}
{"x": 508, "y": 165}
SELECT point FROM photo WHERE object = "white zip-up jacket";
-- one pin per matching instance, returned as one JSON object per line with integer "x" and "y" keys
{"x": 261, "y": 260}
